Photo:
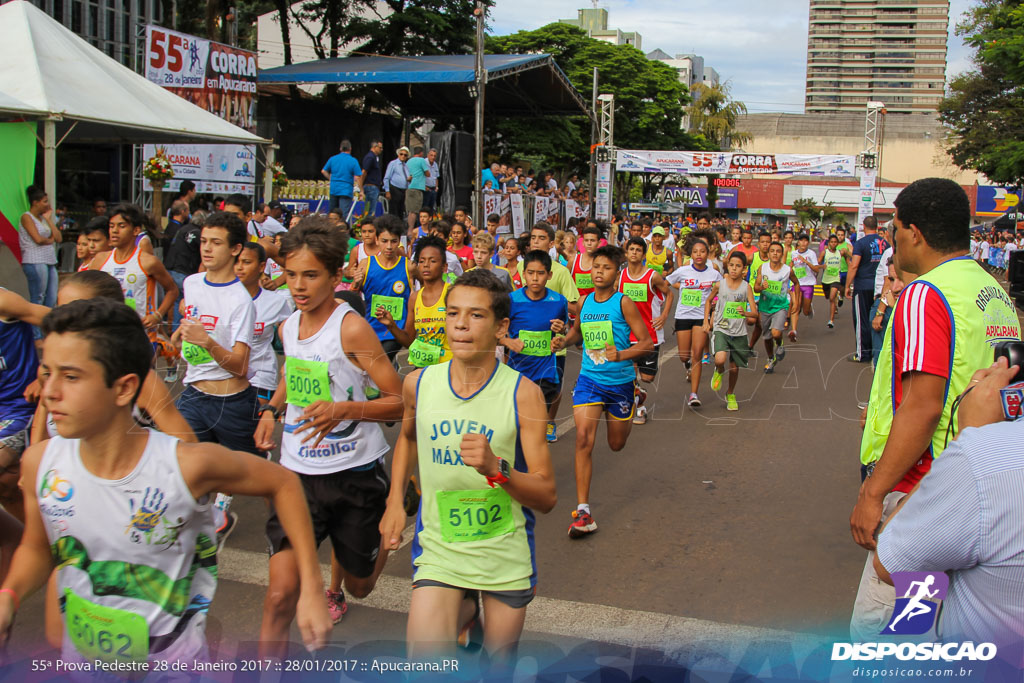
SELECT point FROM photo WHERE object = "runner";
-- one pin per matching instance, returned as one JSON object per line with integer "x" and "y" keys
{"x": 138, "y": 271}
{"x": 97, "y": 235}
{"x": 386, "y": 281}
{"x": 216, "y": 336}
{"x": 607, "y": 381}
{"x": 270, "y": 310}
{"x": 460, "y": 244}
{"x": 648, "y": 290}
{"x": 365, "y": 249}
{"x": 483, "y": 249}
{"x": 657, "y": 253}
{"x": 846, "y": 249}
{"x": 694, "y": 282}
{"x": 732, "y": 301}
{"x": 764, "y": 241}
{"x": 108, "y": 493}
{"x": 777, "y": 285}
{"x": 584, "y": 260}
{"x": 331, "y": 437}
{"x": 787, "y": 244}
{"x": 832, "y": 260}
{"x": 805, "y": 267}
{"x": 542, "y": 237}
{"x": 511, "y": 253}
{"x": 453, "y": 264}
{"x": 484, "y": 475}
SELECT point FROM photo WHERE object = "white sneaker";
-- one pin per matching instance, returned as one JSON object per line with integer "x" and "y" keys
{"x": 694, "y": 401}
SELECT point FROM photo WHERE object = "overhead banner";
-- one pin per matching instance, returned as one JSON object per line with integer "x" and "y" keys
{"x": 220, "y": 79}
{"x": 866, "y": 201}
{"x": 697, "y": 197}
{"x": 995, "y": 201}
{"x": 705, "y": 163}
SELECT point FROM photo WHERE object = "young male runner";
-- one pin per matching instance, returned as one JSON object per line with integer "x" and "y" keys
{"x": 123, "y": 513}
{"x": 777, "y": 285}
{"x": 846, "y": 249}
{"x": 832, "y": 259}
{"x": 483, "y": 253}
{"x": 805, "y": 267}
{"x": 648, "y": 290}
{"x": 657, "y": 253}
{"x": 607, "y": 381}
{"x": 331, "y": 437}
{"x": 485, "y": 468}
{"x": 537, "y": 314}
{"x": 385, "y": 281}
{"x": 137, "y": 270}
{"x": 764, "y": 241}
{"x": 97, "y": 237}
{"x": 270, "y": 310}
{"x": 584, "y": 260}
{"x": 216, "y": 336}
{"x": 542, "y": 237}
{"x": 732, "y": 300}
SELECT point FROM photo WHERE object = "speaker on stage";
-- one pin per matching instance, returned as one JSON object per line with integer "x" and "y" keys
{"x": 455, "y": 150}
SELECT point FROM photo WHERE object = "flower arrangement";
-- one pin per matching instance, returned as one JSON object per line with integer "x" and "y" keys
{"x": 279, "y": 177}
{"x": 158, "y": 167}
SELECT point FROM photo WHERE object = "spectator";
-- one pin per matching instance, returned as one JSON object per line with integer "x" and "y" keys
{"x": 964, "y": 520}
{"x": 177, "y": 216}
{"x": 419, "y": 170}
{"x": 490, "y": 174}
{"x": 430, "y": 196}
{"x": 372, "y": 178}
{"x": 343, "y": 170}
{"x": 182, "y": 256}
{"x": 186, "y": 193}
{"x": 37, "y": 237}
{"x": 396, "y": 182}
{"x": 938, "y": 336}
{"x": 272, "y": 213}
{"x": 99, "y": 207}
{"x": 860, "y": 284}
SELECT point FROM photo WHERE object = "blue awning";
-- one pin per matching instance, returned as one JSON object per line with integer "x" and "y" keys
{"x": 433, "y": 85}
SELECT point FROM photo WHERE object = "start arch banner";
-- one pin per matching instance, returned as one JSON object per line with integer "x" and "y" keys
{"x": 704, "y": 163}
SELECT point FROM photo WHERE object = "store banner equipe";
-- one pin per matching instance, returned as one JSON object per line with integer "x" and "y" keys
{"x": 220, "y": 79}
{"x": 705, "y": 163}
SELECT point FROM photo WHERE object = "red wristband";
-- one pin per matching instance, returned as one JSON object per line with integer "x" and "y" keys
{"x": 499, "y": 478}
{"x": 14, "y": 597}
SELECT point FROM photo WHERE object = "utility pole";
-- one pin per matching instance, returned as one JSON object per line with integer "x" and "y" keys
{"x": 480, "y": 83}
{"x": 593, "y": 142}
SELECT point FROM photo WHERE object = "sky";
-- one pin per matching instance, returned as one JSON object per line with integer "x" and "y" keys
{"x": 758, "y": 46}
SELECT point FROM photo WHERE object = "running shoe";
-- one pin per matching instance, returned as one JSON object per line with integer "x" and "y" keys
{"x": 641, "y": 416}
{"x": 582, "y": 524}
{"x": 693, "y": 401}
{"x": 336, "y": 605}
{"x": 831, "y": 324}
{"x": 839, "y": 303}
{"x": 412, "y": 497}
{"x": 780, "y": 352}
{"x": 792, "y": 335}
{"x": 641, "y": 396}
{"x": 716, "y": 380}
{"x": 172, "y": 374}
{"x": 730, "y": 402}
{"x": 769, "y": 367}
{"x": 552, "y": 433}
{"x": 225, "y": 529}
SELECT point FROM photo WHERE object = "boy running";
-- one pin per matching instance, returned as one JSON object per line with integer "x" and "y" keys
{"x": 485, "y": 468}
{"x": 777, "y": 285}
{"x": 832, "y": 260}
{"x": 648, "y": 290}
{"x": 607, "y": 381}
{"x": 584, "y": 260}
{"x": 732, "y": 301}
{"x": 386, "y": 282}
{"x": 805, "y": 267}
{"x": 122, "y": 512}
{"x": 483, "y": 250}
{"x": 331, "y": 437}
{"x": 271, "y": 309}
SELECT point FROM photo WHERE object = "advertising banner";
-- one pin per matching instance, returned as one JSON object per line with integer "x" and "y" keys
{"x": 603, "y": 196}
{"x": 697, "y": 197}
{"x": 220, "y": 79}
{"x": 866, "y": 205}
{"x": 518, "y": 215}
{"x": 704, "y": 163}
{"x": 994, "y": 201}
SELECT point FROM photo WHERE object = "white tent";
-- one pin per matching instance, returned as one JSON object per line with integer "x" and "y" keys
{"x": 83, "y": 95}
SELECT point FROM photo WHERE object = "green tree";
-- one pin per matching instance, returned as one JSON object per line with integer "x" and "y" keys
{"x": 714, "y": 114}
{"x": 985, "y": 107}
{"x": 808, "y": 211}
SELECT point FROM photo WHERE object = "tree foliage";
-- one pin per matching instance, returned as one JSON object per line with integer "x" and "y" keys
{"x": 985, "y": 106}
{"x": 714, "y": 114}
{"x": 809, "y": 212}
{"x": 649, "y": 100}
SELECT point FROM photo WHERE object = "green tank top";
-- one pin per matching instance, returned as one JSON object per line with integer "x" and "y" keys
{"x": 982, "y": 314}
{"x": 832, "y": 261}
{"x": 469, "y": 534}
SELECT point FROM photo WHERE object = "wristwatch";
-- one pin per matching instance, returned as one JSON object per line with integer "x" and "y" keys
{"x": 271, "y": 409}
{"x": 504, "y": 470}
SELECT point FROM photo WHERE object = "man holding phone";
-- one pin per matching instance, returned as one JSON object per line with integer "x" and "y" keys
{"x": 944, "y": 328}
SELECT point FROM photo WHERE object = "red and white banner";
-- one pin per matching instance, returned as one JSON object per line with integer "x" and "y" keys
{"x": 705, "y": 163}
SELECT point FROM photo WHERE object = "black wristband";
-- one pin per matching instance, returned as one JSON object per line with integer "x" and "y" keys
{"x": 269, "y": 408}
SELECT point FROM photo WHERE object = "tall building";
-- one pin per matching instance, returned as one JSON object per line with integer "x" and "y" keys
{"x": 595, "y": 22}
{"x": 890, "y": 51}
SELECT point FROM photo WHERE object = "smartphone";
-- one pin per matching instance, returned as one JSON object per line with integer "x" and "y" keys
{"x": 1013, "y": 351}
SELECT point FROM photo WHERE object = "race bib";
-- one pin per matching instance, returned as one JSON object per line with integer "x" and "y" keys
{"x": 535, "y": 343}
{"x": 597, "y": 335}
{"x": 474, "y": 515}
{"x": 394, "y": 305}
{"x": 635, "y": 291}
{"x": 130, "y": 303}
{"x": 307, "y": 382}
{"x": 105, "y": 633}
{"x": 195, "y": 354}
{"x": 734, "y": 310}
{"x": 690, "y": 297}
{"x": 422, "y": 354}
{"x": 583, "y": 281}
{"x": 656, "y": 267}
{"x": 800, "y": 272}
{"x": 772, "y": 286}
{"x": 832, "y": 271}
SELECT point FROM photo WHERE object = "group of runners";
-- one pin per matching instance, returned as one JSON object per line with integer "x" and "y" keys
{"x": 120, "y": 482}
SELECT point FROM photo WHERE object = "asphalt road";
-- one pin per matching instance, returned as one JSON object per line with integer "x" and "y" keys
{"x": 711, "y": 524}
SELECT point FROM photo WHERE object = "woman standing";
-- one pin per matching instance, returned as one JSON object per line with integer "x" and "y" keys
{"x": 37, "y": 236}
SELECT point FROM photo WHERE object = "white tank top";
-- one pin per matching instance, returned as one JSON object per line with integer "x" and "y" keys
{"x": 135, "y": 283}
{"x": 140, "y": 545}
{"x": 351, "y": 444}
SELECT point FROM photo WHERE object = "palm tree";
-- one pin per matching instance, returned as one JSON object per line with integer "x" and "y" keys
{"x": 713, "y": 113}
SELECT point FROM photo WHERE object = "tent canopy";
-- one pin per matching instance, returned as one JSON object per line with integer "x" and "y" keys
{"x": 517, "y": 85}
{"x": 51, "y": 72}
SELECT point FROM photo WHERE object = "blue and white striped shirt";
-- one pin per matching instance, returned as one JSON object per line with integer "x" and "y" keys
{"x": 967, "y": 518}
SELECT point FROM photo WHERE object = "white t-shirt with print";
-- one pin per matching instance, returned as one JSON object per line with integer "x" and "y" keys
{"x": 270, "y": 310}
{"x": 810, "y": 277}
{"x": 227, "y": 313}
{"x": 690, "y": 279}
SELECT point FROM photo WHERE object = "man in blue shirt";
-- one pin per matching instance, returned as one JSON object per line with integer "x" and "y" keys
{"x": 372, "y": 177}
{"x": 860, "y": 285}
{"x": 492, "y": 175}
{"x": 396, "y": 182}
{"x": 430, "y": 196}
{"x": 419, "y": 170}
{"x": 342, "y": 170}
